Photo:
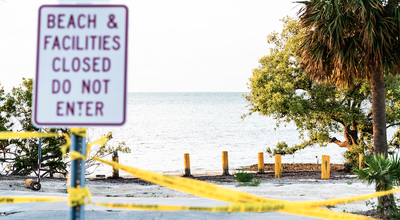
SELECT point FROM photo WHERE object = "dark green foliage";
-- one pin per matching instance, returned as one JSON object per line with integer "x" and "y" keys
{"x": 21, "y": 155}
{"x": 243, "y": 176}
{"x": 252, "y": 183}
{"x": 394, "y": 143}
{"x": 103, "y": 151}
{"x": 349, "y": 41}
{"x": 281, "y": 89}
{"x": 385, "y": 173}
{"x": 352, "y": 156}
{"x": 283, "y": 149}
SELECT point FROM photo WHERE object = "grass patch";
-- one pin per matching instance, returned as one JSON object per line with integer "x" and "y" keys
{"x": 129, "y": 195}
{"x": 243, "y": 176}
{"x": 349, "y": 182}
{"x": 153, "y": 195}
{"x": 252, "y": 183}
{"x": 223, "y": 181}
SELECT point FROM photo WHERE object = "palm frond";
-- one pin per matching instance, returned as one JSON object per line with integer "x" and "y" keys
{"x": 382, "y": 171}
{"x": 345, "y": 39}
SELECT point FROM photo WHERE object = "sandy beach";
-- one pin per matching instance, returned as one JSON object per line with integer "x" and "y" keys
{"x": 140, "y": 192}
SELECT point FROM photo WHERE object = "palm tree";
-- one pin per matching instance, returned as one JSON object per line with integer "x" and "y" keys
{"x": 350, "y": 40}
{"x": 385, "y": 173}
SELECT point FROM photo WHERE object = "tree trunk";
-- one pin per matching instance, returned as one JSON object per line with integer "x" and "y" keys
{"x": 378, "y": 111}
{"x": 386, "y": 203}
{"x": 350, "y": 135}
{"x": 345, "y": 144}
{"x": 16, "y": 172}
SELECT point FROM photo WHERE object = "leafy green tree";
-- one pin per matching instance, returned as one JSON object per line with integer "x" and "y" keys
{"x": 20, "y": 156}
{"x": 103, "y": 151}
{"x": 349, "y": 41}
{"x": 282, "y": 90}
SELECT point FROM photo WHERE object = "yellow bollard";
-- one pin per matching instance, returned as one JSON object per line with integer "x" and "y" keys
{"x": 325, "y": 167}
{"x": 261, "y": 162}
{"x": 187, "y": 165}
{"x": 115, "y": 174}
{"x": 225, "y": 167}
{"x": 278, "y": 166}
{"x": 360, "y": 161}
{"x": 68, "y": 180}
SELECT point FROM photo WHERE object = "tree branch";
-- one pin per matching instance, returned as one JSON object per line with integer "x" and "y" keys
{"x": 369, "y": 116}
{"x": 340, "y": 143}
{"x": 396, "y": 124}
{"x": 338, "y": 120}
{"x": 49, "y": 157}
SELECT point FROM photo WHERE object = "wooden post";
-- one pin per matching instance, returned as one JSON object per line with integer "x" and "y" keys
{"x": 360, "y": 161}
{"x": 278, "y": 166}
{"x": 261, "y": 162}
{"x": 187, "y": 165}
{"x": 225, "y": 167}
{"x": 325, "y": 167}
{"x": 115, "y": 174}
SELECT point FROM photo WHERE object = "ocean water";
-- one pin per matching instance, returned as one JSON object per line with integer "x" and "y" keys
{"x": 161, "y": 127}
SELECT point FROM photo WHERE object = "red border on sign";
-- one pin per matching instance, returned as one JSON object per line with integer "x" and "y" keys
{"x": 125, "y": 68}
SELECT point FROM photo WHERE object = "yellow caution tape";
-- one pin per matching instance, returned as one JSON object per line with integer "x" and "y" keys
{"x": 232, "y": 208}
{"x": 206, "y": 189}
{"x": 257, "y": 207}
{"x": 65, "y": 147}
{"x": 212, "y": 191}
{"x": 335, "y": 201}
{"x": 244, "y": 202}
{"x": 192, "y": 186}
{"x": 102, "y": 141}
{"x": 77, "y": 196}
{"x": 76, "y": 155}
{"x": 21, "y": 199}
{"x": 78, "y": 131}
{"x": 290, "y": 208}
{"x": 8, "y": 134}
{"x": 326, "y": 214}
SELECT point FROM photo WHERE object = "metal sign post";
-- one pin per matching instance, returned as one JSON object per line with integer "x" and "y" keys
{"x": 31, "y": 183}
{"x": 78, "y": 143}
{"x": 39, "y": 156}
{"x": 81, "y": 74}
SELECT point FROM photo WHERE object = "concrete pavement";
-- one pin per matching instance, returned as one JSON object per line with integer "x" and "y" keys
{"x": 59, "y": 210}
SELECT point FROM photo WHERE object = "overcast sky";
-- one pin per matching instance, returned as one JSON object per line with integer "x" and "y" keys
{"x": 174, "y": 45}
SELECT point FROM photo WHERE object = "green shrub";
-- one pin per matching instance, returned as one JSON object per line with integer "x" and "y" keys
{"x": 385, "y": 174}
{"x": 243, "y": 176}
{"x": 283, "y": 149}
{"x": 351, "y": 157}
{"x": 253, "y": 183}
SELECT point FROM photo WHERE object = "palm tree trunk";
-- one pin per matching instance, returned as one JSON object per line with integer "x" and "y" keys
{"x": 386, "y": 203}
{"x": 378, "y": 110}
